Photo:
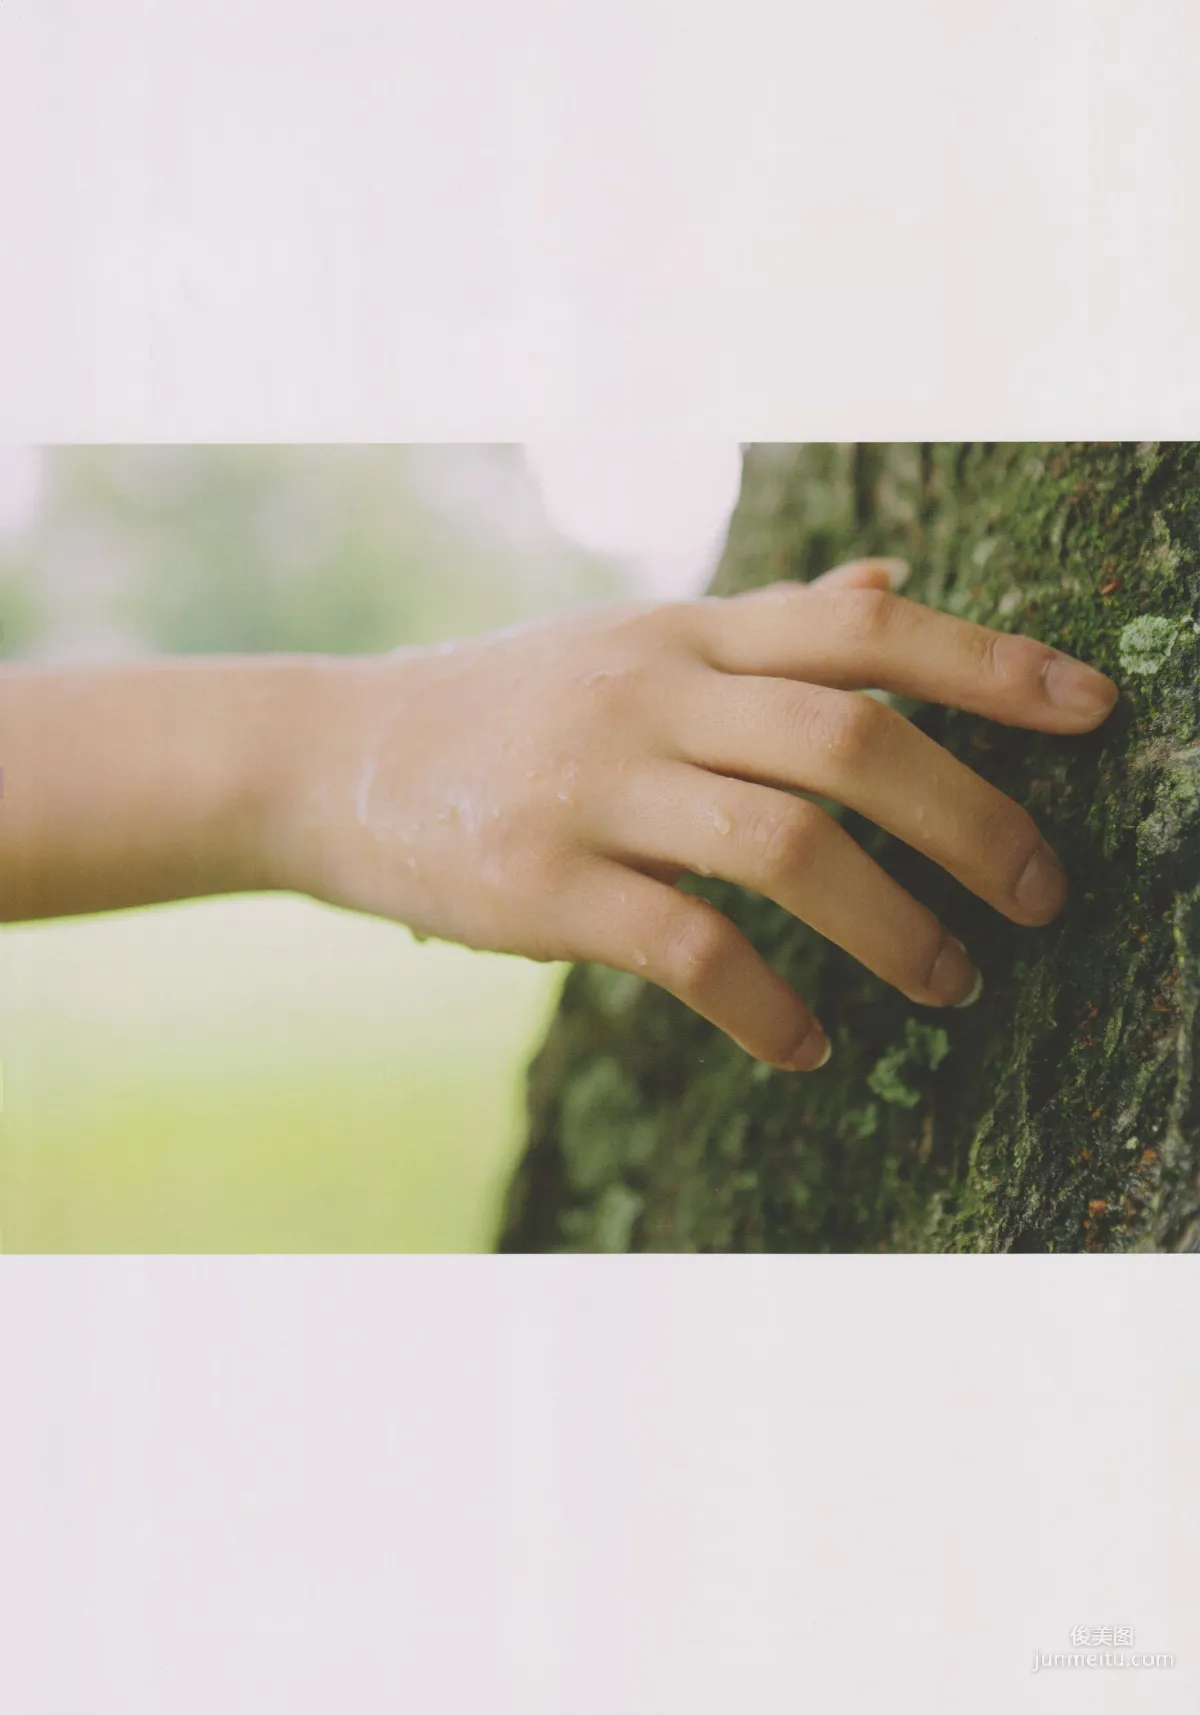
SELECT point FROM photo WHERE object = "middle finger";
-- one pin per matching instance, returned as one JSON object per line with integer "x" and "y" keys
{"x": 849, "y": 747}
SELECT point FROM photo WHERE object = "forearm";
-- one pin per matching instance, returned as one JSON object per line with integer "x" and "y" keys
{"x": 130, "y": 785}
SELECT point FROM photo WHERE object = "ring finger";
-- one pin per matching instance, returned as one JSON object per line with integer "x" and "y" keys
{"x": 795, "y": 853}
{"x": 849, "y": 747}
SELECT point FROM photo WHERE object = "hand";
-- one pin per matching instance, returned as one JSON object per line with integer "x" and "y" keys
{"x": 539, "y": 791}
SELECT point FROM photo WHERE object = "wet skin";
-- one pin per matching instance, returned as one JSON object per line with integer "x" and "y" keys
{"x": 539, "y": 791}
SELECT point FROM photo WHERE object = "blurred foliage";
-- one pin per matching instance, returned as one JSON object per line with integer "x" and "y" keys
{"x": 249, "y": 548}
{"x": 266, "y": 1074}
{"x": 23, "y": 620}
{"x": 260, "y": 1074}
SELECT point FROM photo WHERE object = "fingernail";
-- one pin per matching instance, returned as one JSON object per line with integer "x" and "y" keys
{"x": 897, "y": 572}
{"x": 812, "y": 1052}
{"x": 1043, "y": 886}
{"x": 1078, "y": 689}
{"x": 954, "y": 979}
{"x": 976, "y": 991}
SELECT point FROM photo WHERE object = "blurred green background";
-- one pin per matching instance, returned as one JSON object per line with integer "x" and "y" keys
{"x": 265, "y": 1073}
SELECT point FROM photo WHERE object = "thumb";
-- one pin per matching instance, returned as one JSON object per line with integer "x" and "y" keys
{"x": 870, "y": 574}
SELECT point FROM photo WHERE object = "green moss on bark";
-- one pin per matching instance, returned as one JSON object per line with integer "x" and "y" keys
{"x": 1059, "y": 1113}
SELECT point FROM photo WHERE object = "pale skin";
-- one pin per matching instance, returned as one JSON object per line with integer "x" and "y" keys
{"x": 541, "y": 790}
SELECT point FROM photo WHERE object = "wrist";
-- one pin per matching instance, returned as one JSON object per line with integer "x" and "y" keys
{"x": 340, "y": 717}
{"x": 285, "y": 788}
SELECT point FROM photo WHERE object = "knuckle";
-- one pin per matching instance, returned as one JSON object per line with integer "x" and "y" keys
{"x": 1012, "y": 666}
{"x": 986, "y": 655}
{"x": 863, "y": 615}
{"x": 613, "y": 691}
{"x": 697, "y": 950}
{"x": 782, "y": 839}
{"x": 543, "y": 869}
{"x": 847, "y": 728}
{"x": 661, "y": 625}
{"x": 519, "y": 850}
{"x": 798, "y": 713}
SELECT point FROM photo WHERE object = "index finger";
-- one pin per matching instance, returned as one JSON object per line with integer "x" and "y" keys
{"x": 862, "y": 639}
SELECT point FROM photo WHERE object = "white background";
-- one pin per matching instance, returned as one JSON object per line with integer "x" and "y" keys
{"x": 646, "y": 1484}
{"x": 381, "y": 219}
{"x": 629, "y": 1485}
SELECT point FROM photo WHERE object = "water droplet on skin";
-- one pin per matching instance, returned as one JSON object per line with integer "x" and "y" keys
{"x": 494, "y": 812}
{"x": 364, "y": 789}
{"x": 594, "y": 678}
{"x": 413, "y": 865}
{"x": 639, "y": 958}
{"x": 621, "y": 896}
{"x": 459, "y": 804}
{"x": 721, "y": 822}
{"x": 534, "y": 774}
{"x": 566, "y": 796}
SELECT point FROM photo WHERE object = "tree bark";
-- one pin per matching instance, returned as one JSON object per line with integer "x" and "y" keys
{"x": 1062, "y": 1111}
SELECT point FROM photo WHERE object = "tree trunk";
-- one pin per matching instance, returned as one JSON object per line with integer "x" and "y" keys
{"x": 1061, "y": 1112}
